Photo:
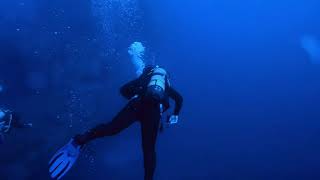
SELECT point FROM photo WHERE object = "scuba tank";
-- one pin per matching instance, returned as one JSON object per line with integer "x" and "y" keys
{"x": 157, "y": 85}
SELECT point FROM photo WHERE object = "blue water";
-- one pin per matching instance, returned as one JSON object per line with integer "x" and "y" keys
{"x": 248, "y": 71}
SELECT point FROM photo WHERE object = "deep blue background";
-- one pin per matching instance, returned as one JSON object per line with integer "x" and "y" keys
{"x": 251, "y": 108}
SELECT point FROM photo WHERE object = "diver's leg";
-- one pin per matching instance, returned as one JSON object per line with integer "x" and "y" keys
{"x": 149, "y": 128}
{"x": 120, "y": 122}
{"x": 65, "y": 158}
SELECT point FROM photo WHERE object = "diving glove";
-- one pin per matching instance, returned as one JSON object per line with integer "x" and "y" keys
{"x": 173, "y": 119}
{"x": 63, "y": 160}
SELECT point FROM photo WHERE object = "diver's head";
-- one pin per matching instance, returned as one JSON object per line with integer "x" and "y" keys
{"x": 159, "y": 71}
{"x": 151, "y": 69}
{"x": 148, "y": 69}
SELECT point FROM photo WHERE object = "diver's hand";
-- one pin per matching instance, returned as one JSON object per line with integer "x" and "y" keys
{"x": 173, "y": 119}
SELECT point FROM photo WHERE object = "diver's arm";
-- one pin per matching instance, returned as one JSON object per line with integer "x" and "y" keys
{"x": 177, "y": 98}
{"x": 129, "y": 90}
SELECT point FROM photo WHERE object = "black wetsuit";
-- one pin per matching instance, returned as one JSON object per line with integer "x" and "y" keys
{"x": 142, "y": 109}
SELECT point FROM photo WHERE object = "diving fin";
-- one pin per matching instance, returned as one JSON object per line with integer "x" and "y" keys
{"x": 63, "y": 160}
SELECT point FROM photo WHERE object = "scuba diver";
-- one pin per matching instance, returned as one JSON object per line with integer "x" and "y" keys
{"x": 148, "y": 97}
{"x": 8, "y": 121}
